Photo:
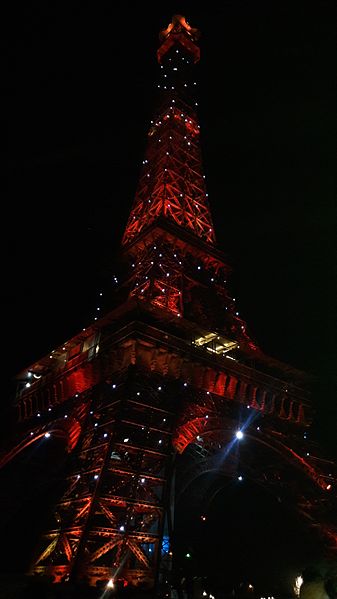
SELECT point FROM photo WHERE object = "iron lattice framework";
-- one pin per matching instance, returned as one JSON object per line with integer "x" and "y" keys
{"x": 172, "y": 183}
{"x": 168, "y": 371}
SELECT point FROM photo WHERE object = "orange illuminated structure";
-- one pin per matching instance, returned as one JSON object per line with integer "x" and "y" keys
{"x": 169, "y": 368}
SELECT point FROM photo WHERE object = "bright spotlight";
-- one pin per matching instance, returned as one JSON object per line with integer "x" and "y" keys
{"x": 110, "y": 584}
{"x": 239, "y": 435}
{"x": 240, "y": 478}
{"x": 47, "y": 435}
{"x": 297, "y": 585}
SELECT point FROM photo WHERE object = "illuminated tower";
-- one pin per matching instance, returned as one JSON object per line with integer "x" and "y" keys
{"x": 169, "y": 366}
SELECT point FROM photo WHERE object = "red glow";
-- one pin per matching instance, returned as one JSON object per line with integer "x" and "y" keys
{"x": 105, "y": 517}
{"x": 172, "y": 183}
{"x": 179, "y": 32}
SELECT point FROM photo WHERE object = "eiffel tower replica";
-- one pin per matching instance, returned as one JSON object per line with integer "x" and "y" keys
{"x": 168, "y": 368}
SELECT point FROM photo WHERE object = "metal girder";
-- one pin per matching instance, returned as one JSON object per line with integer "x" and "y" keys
{"x": 108, "y": 514}
{"x": 105, "y": 548}
{"x": 83, "y": 510}
{"x": 136, "y": 550}
{"x": 67, "y": 547}
{"x": 46, "y": 553}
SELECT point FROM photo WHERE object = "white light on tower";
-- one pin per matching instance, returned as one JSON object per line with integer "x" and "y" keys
{"x": 239, "y": 435}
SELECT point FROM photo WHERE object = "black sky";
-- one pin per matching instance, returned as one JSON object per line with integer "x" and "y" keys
{"x": 79, "y": 95}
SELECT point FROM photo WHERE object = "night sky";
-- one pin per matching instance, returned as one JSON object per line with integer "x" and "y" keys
{"x": 80, "y": 91}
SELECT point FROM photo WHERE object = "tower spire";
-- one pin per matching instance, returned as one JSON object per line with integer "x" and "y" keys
{"x": 172, "y": 184}
{"x": 169, "y": 236}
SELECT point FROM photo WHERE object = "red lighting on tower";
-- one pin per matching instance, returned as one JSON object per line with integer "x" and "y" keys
{"x": 168, "y": 366}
